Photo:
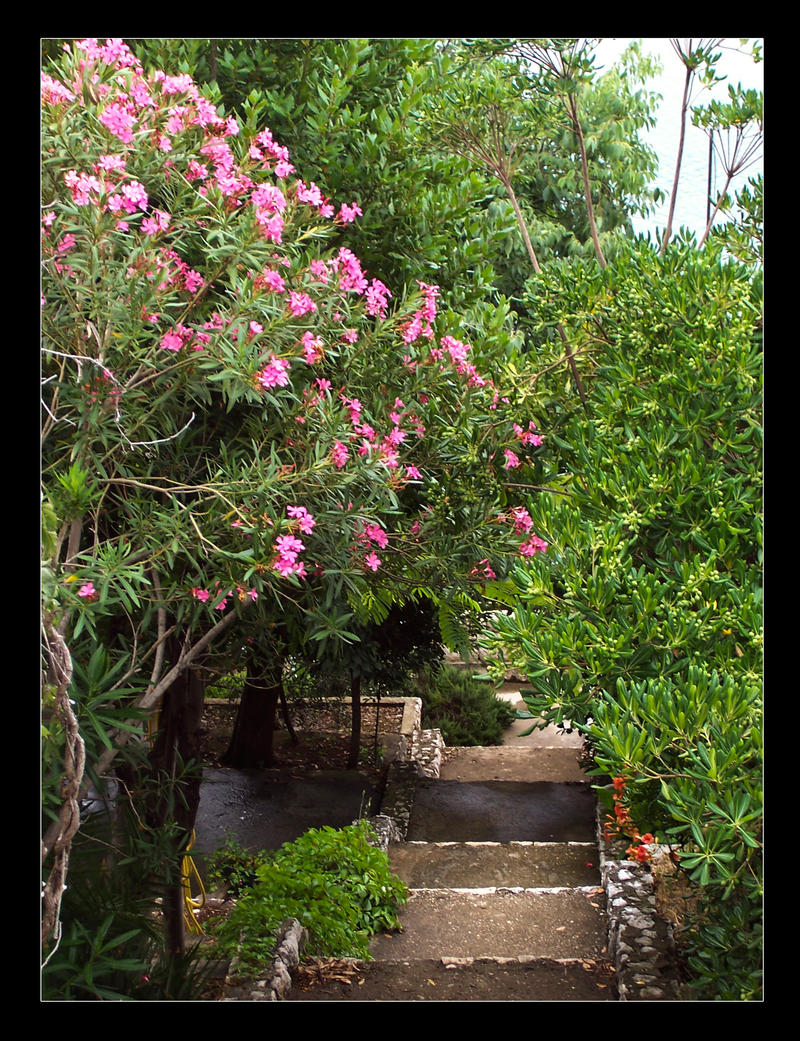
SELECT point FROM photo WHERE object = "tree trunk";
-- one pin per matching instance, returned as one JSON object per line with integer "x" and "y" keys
{"x": 251, "y": 745}
{"x": 355, "y": 729}
{"x": 176, "y": 755}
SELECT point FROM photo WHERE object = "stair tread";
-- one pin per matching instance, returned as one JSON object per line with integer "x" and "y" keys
{"x": 501, "y": 810}
{"x": 559, "y": 924}
{"x": 493, "y": 979}
{"x": 511, "y": 762}
{"x": 475, "y": 865}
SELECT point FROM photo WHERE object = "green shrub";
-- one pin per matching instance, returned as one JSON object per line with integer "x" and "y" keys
{"x": 645, "y": 613}
{"x": 234, "y": 868}
{"x": 335, "y": 882}
{"x": 111, "y": 946}
{"x": 465, "y": 710}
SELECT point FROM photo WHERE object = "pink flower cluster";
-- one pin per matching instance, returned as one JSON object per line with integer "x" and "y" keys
{"x": 88, "y": 592}
{"x": 275, "y": 373}
{"x": 182, "y": 336}
{"x": 347, "y": 214}
{"x": 339, "y": 455}
{"x": 300, "y": 304}
{"x": 523, "y": 524}
{"x": 374, "y": 533}
{"x": 242, "y": 594}
{"x": 161, "y": 107}
{"x": 483, "y": 569}
{"x": 287, "y": 549}
{"x": 527, "y": 437}
{"x": 532, "y": 546}
{"x": 305, "y": 521}
{"x": 458, "y": 353}
{"x": 421, "y": 325}
{"x": 353, "y": 280}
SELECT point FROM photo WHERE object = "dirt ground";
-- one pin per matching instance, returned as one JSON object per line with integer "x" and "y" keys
{"x": 319, "y": 741}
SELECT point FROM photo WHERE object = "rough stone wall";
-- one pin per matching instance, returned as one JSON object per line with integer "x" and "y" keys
{"x": 275, "y": 984}
{"x": 640, "y": 942}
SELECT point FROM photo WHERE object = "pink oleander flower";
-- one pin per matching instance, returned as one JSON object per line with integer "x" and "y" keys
{"x": 171, "y": 341}
{"x": 268, "y": 198}
{"x": 82, "y": 186}
{"x": 348, "y": 267}
{"x": 289, "y": 546}
{"x": 275, "y": 374}
{"x": 375, "y": 533}
{"x": 339, "y": 454}
{"x": 483, "y": 570}
{"x": 196, "y": 171}
{"x": 389, "y": 456}
{"x": 347, "y": 214}
{"x": 522, "y": 520}
{"x": 305, "y": 521}
{"x": 158, "y": 222}
{"x": 53, "y": 92}
{"x": 395, "y": 437}
{"x": 271, "y": 281}
{"x": 372, "y": 561}
{"x": 300, "y": 304}
{"x": 309, "y": 193}
{"x": 319, "y": 269}
{"x": 377, "y": 298}
{"x": 512, "y": 460}
{"x": 527, "y": 437}
{"x": 532, "y": 546}
{"x": 110, "y": 163}
{"x": 413, "y": 474}
{"x": 200, "y": 594}
{"x": 353, "y": 406}
{"x": 120, "y": 122}
{"x": 88, "y": 592}
{"x": 312, "y": 347}
{"x": 255, "y": 328}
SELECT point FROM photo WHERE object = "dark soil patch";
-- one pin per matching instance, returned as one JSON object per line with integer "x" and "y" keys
{"x": 319, "y": 740}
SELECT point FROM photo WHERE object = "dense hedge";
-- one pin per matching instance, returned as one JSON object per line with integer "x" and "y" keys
{"x": 643, "y": 621}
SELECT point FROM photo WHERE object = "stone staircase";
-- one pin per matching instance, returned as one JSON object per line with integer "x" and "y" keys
{"x": 501, "y": 859}
{"x": 513, "y": 892}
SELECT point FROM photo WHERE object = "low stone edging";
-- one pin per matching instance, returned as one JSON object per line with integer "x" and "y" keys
{"x": 278, "y": 982}
{"x": 641, "y": 944}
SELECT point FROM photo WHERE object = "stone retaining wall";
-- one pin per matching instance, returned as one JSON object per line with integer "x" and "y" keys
{"x": 640, "y": 942}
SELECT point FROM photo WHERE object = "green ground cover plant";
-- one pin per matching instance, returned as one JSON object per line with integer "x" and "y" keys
{"x": 334, "y": 881}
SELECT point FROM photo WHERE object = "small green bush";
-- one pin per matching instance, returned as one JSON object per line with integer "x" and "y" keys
{"x": 335, "y": 882}
{"x": 465, "y": 710}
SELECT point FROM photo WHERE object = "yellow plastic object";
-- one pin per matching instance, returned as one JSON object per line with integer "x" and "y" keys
{"x": 192, "y": 903}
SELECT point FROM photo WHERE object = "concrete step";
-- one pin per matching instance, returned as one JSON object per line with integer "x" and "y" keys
{"x": 501, "y": 811}
{"x": 510, "y": 762}
{"x": 471, "y": 865}
{"x": 499, "y": 923}
{"x": 466, "y": 979}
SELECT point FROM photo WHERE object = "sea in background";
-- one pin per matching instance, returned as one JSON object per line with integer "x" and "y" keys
{"x": 739, "y": 68}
